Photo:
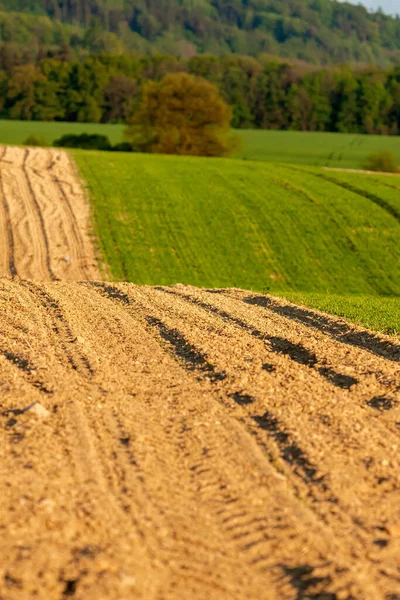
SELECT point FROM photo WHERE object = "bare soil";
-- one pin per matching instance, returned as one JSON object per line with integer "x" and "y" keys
{"x": 44, "y": 217}
{"x": 176, "y": 443}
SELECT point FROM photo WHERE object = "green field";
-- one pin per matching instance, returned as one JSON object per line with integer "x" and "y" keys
{"x": 228, "y": 223}
{"x": 221, "y": 222}
{"x": 340, "y": 150}
{"x": 320, "y": 149}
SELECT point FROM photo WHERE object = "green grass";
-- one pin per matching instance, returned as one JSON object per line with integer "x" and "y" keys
{"x": 16, "y": 132}
{"x": 318, "y": 149}
{"x": 339, "y": 150}
{"x": 223, "y": 223}
{"x": 375, "y": 312}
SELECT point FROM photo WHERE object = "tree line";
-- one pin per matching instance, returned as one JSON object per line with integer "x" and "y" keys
{"x": 315, "y": 31}
{"x": 263, "y": 94}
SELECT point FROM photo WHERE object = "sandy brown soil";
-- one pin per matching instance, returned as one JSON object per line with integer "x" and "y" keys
{"x": 182, "y": 444}
{"x": 44, "y": 217}
{"x": 193, "y": 444}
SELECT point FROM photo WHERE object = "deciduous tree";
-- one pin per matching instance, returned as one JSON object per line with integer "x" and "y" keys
{"x": 182, "y": 114}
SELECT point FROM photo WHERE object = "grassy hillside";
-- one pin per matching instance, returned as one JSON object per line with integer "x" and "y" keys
{"x": 296, "y": 147}
{"x": 339, "y": 150}
{"x": 217, "y": 223}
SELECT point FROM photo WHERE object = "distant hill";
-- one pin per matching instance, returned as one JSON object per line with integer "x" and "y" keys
{"x": 315, "y": 31}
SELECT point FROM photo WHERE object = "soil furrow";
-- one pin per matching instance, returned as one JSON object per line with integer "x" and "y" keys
{"x": 57, "y": 169}
{"x": 39, "y": 216}
{"x": 65, "y": 337}
{"x": 7, "y": 230}
{"x": 338, "y": 329}
{"x": 295, "y": 351}
{"x": 366, "y": 529}
{"x": 49, "y": 220}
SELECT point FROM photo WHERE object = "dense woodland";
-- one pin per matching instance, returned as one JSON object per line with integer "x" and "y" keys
{"x": 316, "y": 31}
{"x": 273, "y": 61}
{"x": 262, "y": 93}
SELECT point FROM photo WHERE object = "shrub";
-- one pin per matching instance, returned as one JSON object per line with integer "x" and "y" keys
{"x": 85, "y": 141}
{"x": 123, "y": 147}
{"x": 382, "y": 161}
{"x": 33, "y": 140}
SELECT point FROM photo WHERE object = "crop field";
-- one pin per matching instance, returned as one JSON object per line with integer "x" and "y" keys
{"x": 175, "y": 442}
{"x": 319, "y": 149}
{"x": 224, "y": 223}
{"x": 338, "y": 150}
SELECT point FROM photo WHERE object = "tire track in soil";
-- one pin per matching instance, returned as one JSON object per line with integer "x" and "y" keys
{"x": 172, "y": 441}
{"x": 65, "y": 337}
{"x": 46, "y": 216}
{"x": 7, "y": 235}
{"x": 78, "y": 244}
{"x": 195, "y": 360}
{"x": 292, "y": 450}
{"x": 39, "y": 216}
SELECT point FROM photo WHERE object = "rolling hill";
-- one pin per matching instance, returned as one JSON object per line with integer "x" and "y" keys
{"x": 224, "y": 223}
{"x": 319, "y": 32}
{"x": 320, "y": 238}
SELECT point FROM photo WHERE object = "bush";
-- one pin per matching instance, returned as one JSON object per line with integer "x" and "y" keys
{"x": 382, "y": 161}
{"x": 85, "y": 141}
{"x": 123, "y": 147}
{"x": 32, "y": 140}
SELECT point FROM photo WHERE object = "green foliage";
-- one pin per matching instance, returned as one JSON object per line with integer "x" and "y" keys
{"x": 383, "y": 161}
{"x": 32, "y": 140}
{"x": 84, "y": 140}
{"x": 222, "y": 223}
{"x": 263, "y": 93}
{"x": 320, "y": 31}
{"x": 181, "y": 114}
{"x": 123, "y": 147}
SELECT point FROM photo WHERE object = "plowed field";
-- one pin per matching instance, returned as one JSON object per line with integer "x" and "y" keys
{"x": 44, "y": 217}
{"x": 174, "y": 443}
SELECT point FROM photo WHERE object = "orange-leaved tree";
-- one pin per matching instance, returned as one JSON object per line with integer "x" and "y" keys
{"x": 181, "y": 114}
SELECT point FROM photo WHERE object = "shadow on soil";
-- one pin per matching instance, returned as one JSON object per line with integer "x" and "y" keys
{"x": 338, "y": 330}
{"x": 307, "y": 585}
{"x": 296, "y": 352}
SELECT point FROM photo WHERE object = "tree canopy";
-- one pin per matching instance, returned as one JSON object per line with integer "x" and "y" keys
{"x": 181, "y": 114}
{"x": 316, "y": 31}
{"x": 263, "y": 93}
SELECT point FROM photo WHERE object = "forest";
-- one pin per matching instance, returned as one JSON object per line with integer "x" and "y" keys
{"x": 263, "y": 93}
{"x": 311, "y": 65}
{"x": 320, "y": 32}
